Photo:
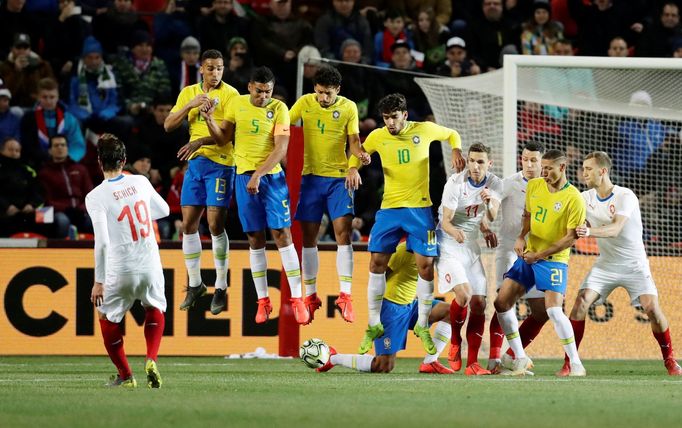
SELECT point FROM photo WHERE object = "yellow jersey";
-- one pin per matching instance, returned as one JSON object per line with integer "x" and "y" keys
{"x": 405, "y": 161}
{"x": 401, "y": 284}
{"x": 222, "y": 95}
{"x": 551, "y": 214}
{"x": 255, "y": 130}
{"x": 325, "y": 131}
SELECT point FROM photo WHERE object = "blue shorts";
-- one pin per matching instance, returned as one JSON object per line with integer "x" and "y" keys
{"x": 207, "y": 184}
{"x": 544, "y": 275}
{"x": 323, "y": 194}
{"x": 397, "y": 320}
{"x": 269, "y": 208}
{"x": 391, "y": 224}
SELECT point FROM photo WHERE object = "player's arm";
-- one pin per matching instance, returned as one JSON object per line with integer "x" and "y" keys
{"x": 222, "y": 134}
{"x": 450, "y": 228}
{"x": 99, "y": 225}
{"x": 455, "y": 141}
{"x": 295, "y": 112}
{"x": 353, "y": 180}
{"x": 159, "y": 206}
{"x": 178, "y": 114}
{"x": 520, "y": 244}
{"x": 488, "y": 234}
{"x": 566, "y": 241}
{"x": 609, "y": 231}
{"x": 491, "y": 203}
{"x": 186, "y": 151}
{"x": 356, "y": 149}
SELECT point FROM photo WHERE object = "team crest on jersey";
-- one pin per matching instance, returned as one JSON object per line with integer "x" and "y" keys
{"x": 336, "y": 114}
{"x": 448, "y": 278}
{"x": 612, "y": 209}
{"x": 270, "y": 114}
{"x": 557, "y": 206}
{"x": 387, "y": 343}
{"x": 416, "y": 139}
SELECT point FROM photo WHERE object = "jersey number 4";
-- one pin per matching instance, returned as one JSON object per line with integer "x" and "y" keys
{"x": 142, "y": 216}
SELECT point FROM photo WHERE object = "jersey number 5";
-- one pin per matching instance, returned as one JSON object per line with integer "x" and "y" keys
{"x": 142, "y": 215}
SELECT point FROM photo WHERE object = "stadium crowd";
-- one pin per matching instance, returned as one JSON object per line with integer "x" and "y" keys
{"x": 72, "y": 70}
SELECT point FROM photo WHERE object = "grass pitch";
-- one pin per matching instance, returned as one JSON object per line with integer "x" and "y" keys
{"x": 207, "y": 392}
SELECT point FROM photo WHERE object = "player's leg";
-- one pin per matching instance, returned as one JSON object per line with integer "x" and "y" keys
{"x": 116, "y": 302}
{"x": 452, "y": 277}
{"x": 292, "y": 269}
{"x": 504, "y": 260}
{"x": 153, "y": 300}
{"x": 554, "y": 303}
{"x": 341, "y": 210}
{"x": 536, "y": 319}
{"x": 661, "y": 332}
{"x": 440, "y": 316}
{"x": 378, "y": 263}
{"x": 477, "y": 305}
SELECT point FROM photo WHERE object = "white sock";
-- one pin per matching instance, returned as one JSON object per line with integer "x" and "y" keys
{"x": 259, "y": 271}
{"x": 292, "y": 269}
{"x": 221, "y": 254}
{"x": 425, "y": 298}
{"x": 441, "y": 337}
{"x": 375, "y": 296}
{"x": 361, "y": 363}
{"x": 510, "y": 325}
{"x": 564, "y": 330}
{"x": 344, "y": 267}
{"x": 191, "y": 250}
{"x": 311, "y": 265}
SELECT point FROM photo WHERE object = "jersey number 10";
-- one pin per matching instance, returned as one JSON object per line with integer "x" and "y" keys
{"x": 142, "y": 216}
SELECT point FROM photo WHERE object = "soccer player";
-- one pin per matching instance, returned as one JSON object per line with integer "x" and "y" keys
{"x": 403, "y": 147}
{"x": 553, "y": 211}
{"x": 468, "y": 197}
{"x": 329, "y": 120}
{"x": 398, "y": 315}
{"x": 613, "y": 217}
{"x": 127, "y": 261}
{"x": 259, "y": 126}
{"x": 513, "y": 203}
{"x": 209, "y": 180}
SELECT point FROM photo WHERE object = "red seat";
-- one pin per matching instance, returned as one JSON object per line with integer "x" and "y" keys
{"x": 28, "y": 235}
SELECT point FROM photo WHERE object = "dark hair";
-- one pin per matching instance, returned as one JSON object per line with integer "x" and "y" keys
{"x": 47, "y": 84}
{"x": 111, "y": 152}
{"x": 394, "y": 13}
{"x": 555, "y": 155}
{"x": 392, "y": 103}
{"x": 564, "y": 42}
{"x": 262, "y": 75}
{"x": 57, "y": 136}
{"x": 211, "y": 54}
{"x": 163, "y": 99}
{"x": 479, "y": 148}
{"x": 602, "y": 158}
{"x": 534, "y": 146}
{"x": 327, "y": 76}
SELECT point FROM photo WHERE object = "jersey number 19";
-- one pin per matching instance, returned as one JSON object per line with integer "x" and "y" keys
{"x": 142, "y": 216}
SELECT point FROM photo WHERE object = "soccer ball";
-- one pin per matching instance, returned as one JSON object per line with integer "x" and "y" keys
{"x": 314, "y": 353}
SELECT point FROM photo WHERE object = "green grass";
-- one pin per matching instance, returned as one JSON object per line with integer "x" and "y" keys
{"x": 206, "y": 392}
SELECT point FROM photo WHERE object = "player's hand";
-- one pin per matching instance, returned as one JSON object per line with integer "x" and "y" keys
{"x": 186, "y": 151}
{"x": 519, "y": 246}
{"x": 530, "y": 257}
{"x": 199, "y": 100}
{"x": 353, "y": 180}
{"x": 485, "y": 195}
{"x": 459, "y": 235}
{"x": 490, "y": 239}
{"x": 253, "y": 184}
{"x": 458, "y": 161}
{"x": 97, "y": 294}
{"x": 365, "y": 158}
{"x": 582, "y": 231}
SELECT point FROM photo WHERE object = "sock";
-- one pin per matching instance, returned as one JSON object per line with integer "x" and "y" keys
{"x": 191, "y": 250}
{"x": 311, "y": 265}
{"x": 375, "y": 295}
{"x": 475, "y": 328}
{"x": 563, "y": 329}
{"x": 259, "y": 268}
{"x": 441, "y": 337}
{"x": 529, "y": 330}
{"x": 221, "y": 254}
{"x": 510, "y": 325}
{"x": 344, "y": 267}
{"x": 154, "y": 322}
{"x": 665, "y": 343}
{"x": 496, "y": 338}
{"x": 458, "y": 315}
{"x": 113, "y": 342}
{"x": 292, "y": 268}
{"x": 361, "y": 363}
{"x": 578, "y": 330}
{"x": 425, "y": 299}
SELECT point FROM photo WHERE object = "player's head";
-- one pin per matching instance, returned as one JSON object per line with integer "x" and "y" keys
{"x": 478, "y": 161}
{"x": 111, "y": 153}
{"x": 327, "y": 84}
{"x": 393, "y": 109}
{"x": 212, "y": 67}
{"x": 530, "y": 159}
{"x": 554, "y": 166}
{"x": 261, "y": 85}
{"x": 596, "y": 168}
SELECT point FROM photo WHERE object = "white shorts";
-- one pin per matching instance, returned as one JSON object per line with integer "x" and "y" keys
{"x": 636, "y": 281}
{"x": 504, "y": 259}
{"x": 122, "y": 289}
{"x": 462, "y": 265}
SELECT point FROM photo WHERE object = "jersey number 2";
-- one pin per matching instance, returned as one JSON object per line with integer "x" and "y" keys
{"x": 142, "y": 215}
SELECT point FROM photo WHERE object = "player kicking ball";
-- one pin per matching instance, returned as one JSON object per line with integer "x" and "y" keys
{"x": 127, "y": 261}
{"x": 613, "y": 217}
{"x": 398, "y": 315}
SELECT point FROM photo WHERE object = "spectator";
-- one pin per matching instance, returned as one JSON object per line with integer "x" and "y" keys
{"x": 394, "y": 29}
{"x": 490, "y": 34}
{"x": 171, "y": 226}
{"x": 140, "y": 162}
{"x": 47, "y": 119}
{"x": 221, "y": 25}
{"x": 441, "y": 8}
{"x": 65, "y": 184}
{"x": 186, "y": 73}
{"x": 404, "y": 83}
{"x": 430, "y": 38}
{"x": 618, "y": 47}
{"x": 93, "y": 8}
{"x": 22, "y": 71}
{"x": 677, "y": 47}
{"x": 171, "y": 28}
{"x": 13, "y": 20}
{"x": 64, "y": 39}
{"x": 600, "y": 21}
{"x": 9, "y": 121}
{"x": 539, "y": 33}
{"x": 457, "y": 64}
{"x": 359, "y": 84}
{"x": 116, "y": 27}
{"x": 340, "y": 23}
{"x": 657, "y": 40}
{"x": 534, "y": 125}
{"x": 357, "y": 225}
{"x": 141, "y": 75}
{"x": 239, "y": 66}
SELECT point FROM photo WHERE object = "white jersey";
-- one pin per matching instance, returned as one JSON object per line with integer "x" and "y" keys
{"x": 513, "y": 205}
{"x": 122, "y": 210}
{"x": 463, "y": 196}
{"x": 626, "y": 249}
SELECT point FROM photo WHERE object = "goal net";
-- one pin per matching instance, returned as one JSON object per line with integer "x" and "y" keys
{"x": 629, "y": 107}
